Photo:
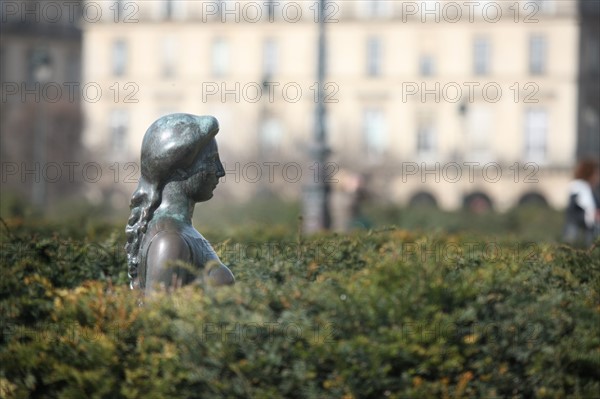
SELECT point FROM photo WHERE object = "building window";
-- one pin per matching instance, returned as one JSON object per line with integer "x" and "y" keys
{"x": 170, "y": 9}
{"x": 270, "y": 56}
{"x": 270, "y": 134}
{"x": 375, "y": 8}
{"x": 119, "y": 57}
{"x": 537, "y": 55}
{"x": 536, "y": 134}
{"x": 429, "y": 9}
{"x": 374, "y": 56}
{"x": 374, "y": 132}
{"x": 426, "y": 65}
{"x": 119, "y": 122}
{"x": 479, "y": 134}
{"x": 270, "y": 5}
{"x": 481, "y": 56}
{"x": 167, "y": 9}
{"x": 223, "y": 9}
{"x": 426, "y": 139}
{"x": 39, "y": 64}
{"x": 220, "y": 57}
{"x": 545, "y": 6}
{"x": 116, "y": 11}
{"x": 169, "y": 56}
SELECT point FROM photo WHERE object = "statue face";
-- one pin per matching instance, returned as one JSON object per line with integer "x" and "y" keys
{"x": 200, "y": 186}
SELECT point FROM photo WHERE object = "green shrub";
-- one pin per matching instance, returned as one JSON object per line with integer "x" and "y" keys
{"x": 367, "y": 315}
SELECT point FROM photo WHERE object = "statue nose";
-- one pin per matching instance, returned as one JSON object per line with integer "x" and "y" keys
{"x": 220, "y": 169}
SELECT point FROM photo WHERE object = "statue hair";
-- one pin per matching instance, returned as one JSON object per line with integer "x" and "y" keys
{"x": 143, "y": 204}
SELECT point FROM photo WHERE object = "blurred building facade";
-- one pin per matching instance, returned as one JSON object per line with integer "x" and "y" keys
{"x": 40, "y": 117}
{"x": 434, "y": 101}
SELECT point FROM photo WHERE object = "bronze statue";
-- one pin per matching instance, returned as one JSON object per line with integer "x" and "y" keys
{"x": 180, "y": 166}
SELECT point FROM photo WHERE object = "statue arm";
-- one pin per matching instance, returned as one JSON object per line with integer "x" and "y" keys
{"x": 215, "y": 271}
{"x": 164, "y": 248}
{"x": 219, "y": 274}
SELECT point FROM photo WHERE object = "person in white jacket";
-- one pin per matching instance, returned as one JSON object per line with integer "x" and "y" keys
{"x": 582, "y": 213}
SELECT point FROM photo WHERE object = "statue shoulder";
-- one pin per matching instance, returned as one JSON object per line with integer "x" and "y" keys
{"x": 170, "y": 244}
{"x": 165, "y": 241}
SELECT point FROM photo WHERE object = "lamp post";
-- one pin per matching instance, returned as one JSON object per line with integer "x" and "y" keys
{"x": 42, "y": 74}
{"x": 316, "y": 193}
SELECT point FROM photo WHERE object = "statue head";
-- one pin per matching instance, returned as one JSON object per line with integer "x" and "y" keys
{"x": 177, "y": 148}
{"x": 172, "y": 145}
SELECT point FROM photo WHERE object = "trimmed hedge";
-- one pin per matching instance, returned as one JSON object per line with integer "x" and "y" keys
{"x": 369, "y": 315}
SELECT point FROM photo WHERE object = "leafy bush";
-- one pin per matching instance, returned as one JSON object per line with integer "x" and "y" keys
{"x": 369, "y": 315}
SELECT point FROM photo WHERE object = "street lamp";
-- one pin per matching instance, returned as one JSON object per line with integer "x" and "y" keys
{"x": 42, "y": 73}
{"x": 316, "y": 193}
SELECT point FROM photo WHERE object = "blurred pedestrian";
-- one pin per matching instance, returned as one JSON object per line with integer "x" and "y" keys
{"x": 349, "y": 197}
{"x": 361, "y": 195}
{"x": 582, "y": 217}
